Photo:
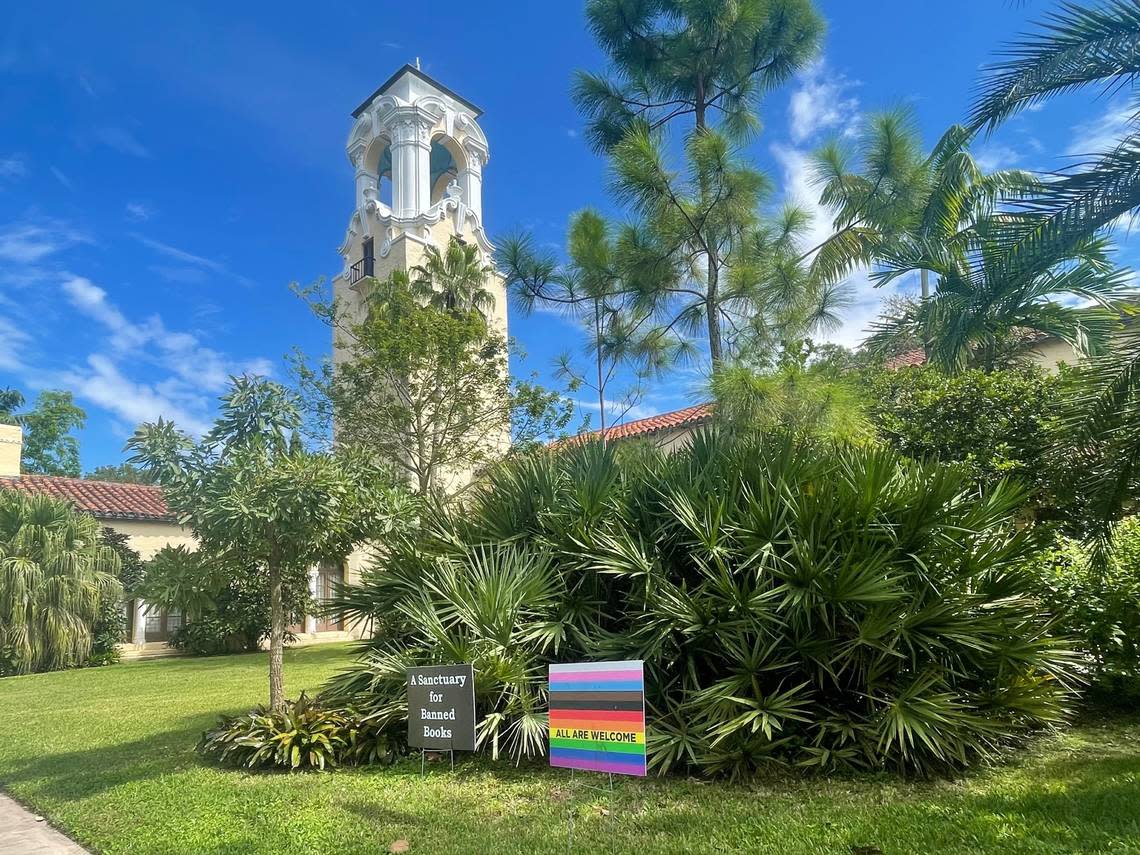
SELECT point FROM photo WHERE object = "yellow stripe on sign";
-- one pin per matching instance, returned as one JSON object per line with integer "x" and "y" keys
{"x": 599, "y": 735}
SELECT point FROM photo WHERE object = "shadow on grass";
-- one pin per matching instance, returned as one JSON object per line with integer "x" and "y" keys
{"x": 1076, "y": 804}
{"x": 85, "y": 772}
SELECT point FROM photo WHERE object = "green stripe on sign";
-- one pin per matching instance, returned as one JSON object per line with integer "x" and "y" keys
{"x": 598, "y": 745}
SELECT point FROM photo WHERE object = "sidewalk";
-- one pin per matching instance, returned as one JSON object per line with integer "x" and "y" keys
{"x": 20, "y": 834}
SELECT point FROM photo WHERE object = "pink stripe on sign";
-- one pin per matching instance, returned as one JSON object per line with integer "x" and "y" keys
{"x": 592, "y": 676}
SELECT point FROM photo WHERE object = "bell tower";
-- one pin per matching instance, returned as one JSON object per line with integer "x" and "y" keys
{"x": 418, "y": 154}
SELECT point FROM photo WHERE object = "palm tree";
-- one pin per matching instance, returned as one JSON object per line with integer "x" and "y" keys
{"x": 984, "y": 315}
{"x": 941, "y": 214}
{"x": 883, "y": 189}
{"x": 1074, "y": 48}
{"x": 55, "y": 571}
{"x": 455, "y": 280}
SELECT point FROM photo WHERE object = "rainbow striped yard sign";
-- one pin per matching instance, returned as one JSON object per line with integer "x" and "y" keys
{"x": 597, "y": 717}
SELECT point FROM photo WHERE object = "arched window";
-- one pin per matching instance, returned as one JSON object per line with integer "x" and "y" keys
{"x": 378, "y": 163}
{"x": 446, "y": 161}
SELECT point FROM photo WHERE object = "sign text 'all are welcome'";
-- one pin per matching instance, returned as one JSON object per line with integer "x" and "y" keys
{"x": 441, "y": 708}
{"x": 597, "y": 717}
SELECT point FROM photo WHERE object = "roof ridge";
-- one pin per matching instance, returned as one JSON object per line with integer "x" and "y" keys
{"x": 79, "y": 480}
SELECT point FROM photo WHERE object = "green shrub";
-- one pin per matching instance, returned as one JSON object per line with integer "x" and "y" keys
{"x": 303, "y": 736}
{"x": 110, "y": 626}
{"x": 795, "y": 603}
{"x": 225, "y": 611}
{"x": 1099, "y": 608}
{"x": 996, "y": 424}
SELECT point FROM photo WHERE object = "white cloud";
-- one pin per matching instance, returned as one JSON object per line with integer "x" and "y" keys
{"x": 199, "y": 367}
{"x": 192, "y": 259}
{"x": 139, "y": 212}
{"x": 799, "y": 190}
{"x": 121, "y": 140}
{"x": 1096, "y": 136}
{"x": 820, "y": 102}
{"x": 13, "y": 340}
{"x": 13, "y": 167}
{"x": 30, "y": 242}
{"x": 61, "y": 177}
{"x": 102, "y": 383}
{"x": 191, "y": 374}
{"x": 994, "y": 156}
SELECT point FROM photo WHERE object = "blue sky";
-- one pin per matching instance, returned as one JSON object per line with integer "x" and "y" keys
{"x": 166, "y": 170}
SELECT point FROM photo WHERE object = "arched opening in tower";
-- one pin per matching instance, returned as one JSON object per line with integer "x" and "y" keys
{"x": 446, "y": 158}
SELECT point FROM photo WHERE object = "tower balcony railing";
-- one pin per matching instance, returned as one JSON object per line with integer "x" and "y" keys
{"x": 363, "y": 268}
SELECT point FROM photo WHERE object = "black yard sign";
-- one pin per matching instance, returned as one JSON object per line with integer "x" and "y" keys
{"x": 441, "y": 708}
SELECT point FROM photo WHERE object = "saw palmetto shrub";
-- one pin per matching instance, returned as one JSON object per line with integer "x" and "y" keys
{"x": 795, "y": 603}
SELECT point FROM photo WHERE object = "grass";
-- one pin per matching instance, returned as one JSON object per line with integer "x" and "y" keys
{"x": 108, "y": 756}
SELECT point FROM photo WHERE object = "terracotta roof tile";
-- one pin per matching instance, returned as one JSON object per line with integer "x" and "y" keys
{"x": 686, "y": 418}
{"x": 906, "y": 359}
{"x": 102, "y": 499}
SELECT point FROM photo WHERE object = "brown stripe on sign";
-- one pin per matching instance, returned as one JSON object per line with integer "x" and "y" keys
{"x": 595, "y": 696}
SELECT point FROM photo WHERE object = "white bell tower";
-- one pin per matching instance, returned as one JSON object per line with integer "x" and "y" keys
{"x": 418, "y": 154}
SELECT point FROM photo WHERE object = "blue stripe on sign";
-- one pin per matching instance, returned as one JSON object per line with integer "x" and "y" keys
{"x": 637, "y": 760}
{"x": 607, "y": 686}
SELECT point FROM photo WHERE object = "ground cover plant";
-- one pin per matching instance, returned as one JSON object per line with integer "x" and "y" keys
{"x": 797, "y": 603}
{"x": 107, "y": 754}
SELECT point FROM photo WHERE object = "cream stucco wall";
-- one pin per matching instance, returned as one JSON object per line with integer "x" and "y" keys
{"x": 11, "y": 448}
{"x": 148, "y": 537}
{"x": 1050, "y": 353}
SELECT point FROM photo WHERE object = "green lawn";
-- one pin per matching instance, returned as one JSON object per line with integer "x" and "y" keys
{"x": 107, "y": 754}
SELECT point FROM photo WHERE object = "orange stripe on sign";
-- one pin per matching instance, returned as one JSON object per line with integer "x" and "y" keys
{"x": 630, "y": 717}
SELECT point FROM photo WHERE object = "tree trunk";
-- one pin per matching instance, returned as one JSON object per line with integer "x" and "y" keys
{"x": 601, "y": 382}
{"x": 700, "y": 106}
{"x": 712, "y": 319}
{"x": 276, "y": 639}
{"x": 711, "y": 311}
{"x": 924, "y": 279}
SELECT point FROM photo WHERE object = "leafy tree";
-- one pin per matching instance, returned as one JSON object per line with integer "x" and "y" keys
{"x": 224, "y": 608}
{"x": 49, "y": 446}
{"x": 120, "y": 473}
{"x": 701, "y": 257}
{"x": 690, "y": 58}
{"x": 885, "y": 191}
{"x": 985, "y": 315}
{"x": 10, "y": 401}
{"x": 1099, "y": 608}
{"x": 254, "y": 497}
{"x": 941, "y": 214}
{"x": 996, "y": 425}
{"x": 110, "y": 626}
{"x": 699, "y": 260}
{"x": 56, "y": 573}
{"x": 423, "y": 390}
